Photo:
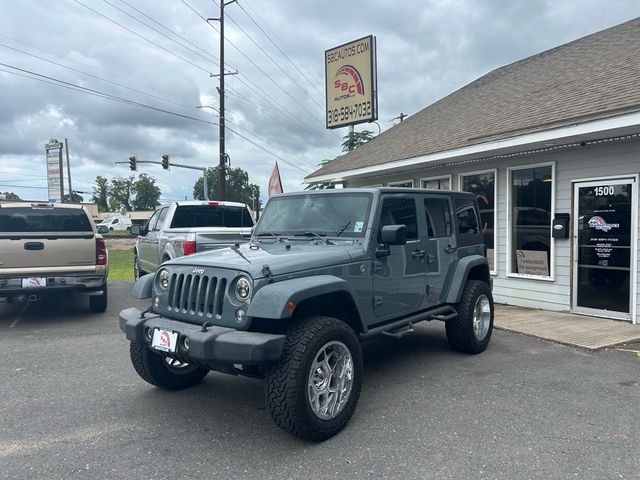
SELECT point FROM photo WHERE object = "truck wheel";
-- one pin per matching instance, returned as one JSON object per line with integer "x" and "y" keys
{"x": 313, "y": 389}
{"x": 164, "y": 372}
{"x": 98, "y": 303}
{"x": 471, "y": 331}
{"x": 137, "y": 271}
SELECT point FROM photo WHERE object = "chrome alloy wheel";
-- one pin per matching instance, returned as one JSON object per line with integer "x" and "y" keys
{"x": 481, "y": 317}
{"x": 330, "y": 380}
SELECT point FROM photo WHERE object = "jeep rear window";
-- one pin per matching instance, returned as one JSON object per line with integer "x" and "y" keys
{"x": 44, "y": 219}
{"x": 191, "y": 216}
{"x": 344, "y": 215}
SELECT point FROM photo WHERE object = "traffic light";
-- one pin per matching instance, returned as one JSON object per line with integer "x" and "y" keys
{"x": 165, "y": 161}
{"x": 133, "y": 161}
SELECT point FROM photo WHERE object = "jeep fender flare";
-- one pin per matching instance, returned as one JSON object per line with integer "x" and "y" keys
{"x": 143, "y": 288}
{"x": 271, "y": 300}
{"x": 460, "y": 273}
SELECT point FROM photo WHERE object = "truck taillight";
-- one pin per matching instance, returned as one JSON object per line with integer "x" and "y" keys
{"x": 101, "y": 252}
{"x": 189, "y": 247}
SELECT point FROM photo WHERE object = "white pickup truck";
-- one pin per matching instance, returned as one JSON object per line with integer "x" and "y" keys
{"x": 183, "y": 228}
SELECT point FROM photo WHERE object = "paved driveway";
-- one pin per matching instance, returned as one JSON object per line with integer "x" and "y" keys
{"x": 72, "y": 407}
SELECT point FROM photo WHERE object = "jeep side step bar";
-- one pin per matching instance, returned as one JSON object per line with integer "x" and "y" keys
{"x": 401, "y": 327}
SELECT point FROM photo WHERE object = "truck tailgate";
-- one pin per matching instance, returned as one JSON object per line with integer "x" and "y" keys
{"x": 47, "y": 250}
{"x": 212, "y": 239}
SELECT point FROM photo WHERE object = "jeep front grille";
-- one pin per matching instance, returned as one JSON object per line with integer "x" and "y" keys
{"x": 196, "y": 294}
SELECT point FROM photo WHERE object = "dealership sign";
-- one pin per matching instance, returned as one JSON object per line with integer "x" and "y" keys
{"x": 54, "y": 170}
{"x": 350, "y": 81}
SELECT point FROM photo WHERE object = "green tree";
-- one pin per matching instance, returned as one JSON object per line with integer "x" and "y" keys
{"x": 120, "y": 193}
{"x": 237, "y": 189}
{"x": 353, "y": 140}
{"x": 8, "y": 196}
{"x": 147, "y": 193}
{"x": 321, "y": 185}
{"x": 101, "y": 193}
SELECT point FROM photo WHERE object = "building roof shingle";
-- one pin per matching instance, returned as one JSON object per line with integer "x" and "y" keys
{"x": 594, "y": 77}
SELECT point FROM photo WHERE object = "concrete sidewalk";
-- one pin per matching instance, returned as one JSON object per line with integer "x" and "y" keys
{"x": 580, "y": 331}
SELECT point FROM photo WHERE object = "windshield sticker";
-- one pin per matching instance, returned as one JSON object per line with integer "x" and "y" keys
{"x": 357, "y": 228}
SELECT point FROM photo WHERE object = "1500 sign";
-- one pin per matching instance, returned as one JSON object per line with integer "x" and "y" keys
{"x": 349, "y": 113}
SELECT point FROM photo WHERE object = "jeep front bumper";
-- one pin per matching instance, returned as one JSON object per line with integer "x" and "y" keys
{"x": 213, "y": 347}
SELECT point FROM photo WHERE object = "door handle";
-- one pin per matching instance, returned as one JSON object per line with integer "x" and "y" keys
{"x": 417, "y": 253}
{"x": 450, "y": 248}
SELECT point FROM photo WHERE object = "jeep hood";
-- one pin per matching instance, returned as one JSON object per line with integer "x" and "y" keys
{"x": 282, "y": 258}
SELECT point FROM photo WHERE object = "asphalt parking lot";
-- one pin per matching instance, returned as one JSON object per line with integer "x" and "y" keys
{"x": 72, "y": 407}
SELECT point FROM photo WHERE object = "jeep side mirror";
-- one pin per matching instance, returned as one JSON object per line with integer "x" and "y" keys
{"x": 136, "y": 230}
{"x": 391, "y": 235}
{"x": 394, "y": 234}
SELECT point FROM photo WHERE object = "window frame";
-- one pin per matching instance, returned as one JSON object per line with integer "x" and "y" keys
{"x": 439, "y": 177}
{"x": 495, "y": 210}
{"x": 552, "y": 243}
{"x": 398, "y": 184}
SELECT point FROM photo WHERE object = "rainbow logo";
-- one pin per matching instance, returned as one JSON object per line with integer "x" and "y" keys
{"x": 599, "y": 223}
{"x": 348, "y": 82}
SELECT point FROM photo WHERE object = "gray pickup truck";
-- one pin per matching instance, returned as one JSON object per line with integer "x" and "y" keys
{"x": 184, "y": 228}
{"x": 323, "y": 271}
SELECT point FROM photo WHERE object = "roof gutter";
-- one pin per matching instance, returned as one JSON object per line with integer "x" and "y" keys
{"x": 483, "y": 149}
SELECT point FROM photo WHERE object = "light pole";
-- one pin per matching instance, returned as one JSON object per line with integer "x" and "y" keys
{"x": 208, "y": 106}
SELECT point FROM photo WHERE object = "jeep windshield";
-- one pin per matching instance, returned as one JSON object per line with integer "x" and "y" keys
{"x": 316, "y": 214}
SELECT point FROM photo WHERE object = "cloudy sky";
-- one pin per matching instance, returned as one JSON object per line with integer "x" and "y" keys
{"x": 160, "y": 53}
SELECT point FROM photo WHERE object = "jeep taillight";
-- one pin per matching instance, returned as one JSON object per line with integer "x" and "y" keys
{"x": 188, "y": 247}
{"x": 101, "y": 252}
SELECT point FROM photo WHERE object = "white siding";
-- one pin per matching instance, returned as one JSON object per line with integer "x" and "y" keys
{"x": 571, "y": 164}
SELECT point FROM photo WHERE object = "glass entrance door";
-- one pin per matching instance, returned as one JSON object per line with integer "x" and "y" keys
{"x": 604, "y": 227}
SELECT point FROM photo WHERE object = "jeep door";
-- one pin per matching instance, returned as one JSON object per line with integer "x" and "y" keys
{"x": 440, "y": 245}
{"x": 399, "y": 279}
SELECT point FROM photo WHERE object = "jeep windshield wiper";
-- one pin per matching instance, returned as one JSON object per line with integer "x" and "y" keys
{"x": 314, "y": 234}
{"x": 343, "y": 228}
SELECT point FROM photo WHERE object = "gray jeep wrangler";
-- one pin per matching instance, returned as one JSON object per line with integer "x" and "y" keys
{"x": 323, "y": 270}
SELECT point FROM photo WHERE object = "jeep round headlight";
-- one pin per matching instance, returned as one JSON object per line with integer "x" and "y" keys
{"x": 163, "y": 280}
{"x": 243, "y": 289}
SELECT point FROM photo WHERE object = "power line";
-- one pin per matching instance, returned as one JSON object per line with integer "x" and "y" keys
{"x": 97, "y": 93}
{"x": 284, "y": 54}
{"x": 143, "y": 37}
{"x": 252, "y": 86}
{"x": 97, "y": 77}
{"x": 275, "y": 62}
{"x": 215, "y": 59}
{"x": 88, "y": 66}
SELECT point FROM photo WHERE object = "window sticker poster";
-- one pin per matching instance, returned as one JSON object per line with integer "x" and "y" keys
{"x": 532, "y": 262}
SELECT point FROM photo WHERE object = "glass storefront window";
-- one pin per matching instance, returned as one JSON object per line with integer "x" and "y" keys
{"x": 436, "y": 183}
{"x": 530, "y": 207}
{"x": 483, "y": 185}
{"x": 405, "y": 184}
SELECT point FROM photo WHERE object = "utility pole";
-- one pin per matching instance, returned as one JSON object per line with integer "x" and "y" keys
{"x": 66, "y": 149}
{"x": 223, "y": 153}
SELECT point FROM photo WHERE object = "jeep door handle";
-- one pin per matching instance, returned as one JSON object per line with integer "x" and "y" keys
{"x": 450, "y": 248}
{"x": 417, "y": 253}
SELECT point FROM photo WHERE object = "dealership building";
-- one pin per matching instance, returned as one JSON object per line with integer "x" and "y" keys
{"x": 550, "y": 145}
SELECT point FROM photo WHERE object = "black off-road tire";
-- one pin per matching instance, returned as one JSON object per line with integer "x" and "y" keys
{"x": 98, "y": 303}
{"x": 154, "y": 369}
{"x": 460, "y": 331}
{"x": 287, "y": 382}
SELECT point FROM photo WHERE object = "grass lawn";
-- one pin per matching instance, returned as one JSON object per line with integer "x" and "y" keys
{"x": 121, "y": 264}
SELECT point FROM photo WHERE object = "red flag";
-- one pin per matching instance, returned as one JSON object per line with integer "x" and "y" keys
{"x": 275, "y": 184}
